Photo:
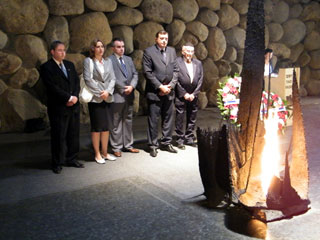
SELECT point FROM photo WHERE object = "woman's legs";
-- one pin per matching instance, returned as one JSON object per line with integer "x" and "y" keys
{"x": 104, "y": 138}
{"x": 95, "y": 138}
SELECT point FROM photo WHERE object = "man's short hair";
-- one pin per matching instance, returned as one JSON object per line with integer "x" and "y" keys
{"x": 268, "y": 50}
{"x": 116, "y": 39}
{"x": 162, "y": 32}
{"x": 55, "y": 44}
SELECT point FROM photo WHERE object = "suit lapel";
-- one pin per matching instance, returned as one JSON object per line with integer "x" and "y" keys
{"x": 59, "y": 70}
{"x": 194, "y": 66}
{"x": 125, "y": 62}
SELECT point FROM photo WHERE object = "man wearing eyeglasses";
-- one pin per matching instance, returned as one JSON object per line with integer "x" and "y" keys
{"x": 187, "y": 90}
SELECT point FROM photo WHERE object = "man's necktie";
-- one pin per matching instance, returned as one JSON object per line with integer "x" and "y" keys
{"x": 163, "y": 53}
{"x": 123, "y": 66}
{"x": 64, "y": 70}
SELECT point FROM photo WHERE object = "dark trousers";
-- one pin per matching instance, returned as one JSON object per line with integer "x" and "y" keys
{"x": 191, "y": 109}
{"x": 163, "y": 108}
{"x": 64, "y": 136}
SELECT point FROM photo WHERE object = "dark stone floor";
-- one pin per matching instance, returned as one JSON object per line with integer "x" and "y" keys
{"x": 135, "y": 197}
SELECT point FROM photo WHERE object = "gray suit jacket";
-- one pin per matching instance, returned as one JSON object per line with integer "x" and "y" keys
{"x": 122, "y": 81}
{"x": 96, "y": 82}
{"x": 184, "y": 84}
{"x": 157, "y": 71}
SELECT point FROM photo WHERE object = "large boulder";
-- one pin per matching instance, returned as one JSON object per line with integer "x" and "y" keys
{"x": 186, "y": 10}
{"x": 305, "y": 75}
{"x": 22, "y": 17}
{"x": 57, "y": 29}
{"x": 132, "y": 16}
{"x": 62, "y": 7}
{"x": 145, "y": 33}
{"x": 77, "y": 59}
{"x": 3, "y": 39}
{"x": 211, "y": 74}
{"x": 187, "y": 37}
{"x": 280, "y": 50}
{"x": 136, "y": 102}
{"x": 240, "y": 54}
{"x": 228, "y": 17}
{"x": 224, "y": 67}
{"x": 198, "y": 29}
{"x": 202, "y": 100}
{"x": 137, "y": 57}
{"x": 235, "y": 37}
{"x": 243, "y": 22}
{"x": 295, "y": 52}
{"x": 212, "y": 94}
{"x": 268, "y": 10}
{"x": 216, "y": 43}
{"x": 32, "y": 50}
{"x": 312, "y": 41}
{"x": 275, "y": 32}
{"x": 157, "y": 11}
{"x": 311, "y": 12}
{"x": 310, "y": 25}
{"x": 213, "y": 5}
{"x": 313, "y": 87}
{"x": 93, "y": 25}
{"x": 295, "y": 11}
{"x": 9, "y": 63}
{"x": 126, "y": 33}
{"x": 230, "y": 54}
{"x": 24, "y": 76}
{"x": 315, "y": 59}
{"x": 3, "y": 87}
{"x": 101, "y": 5}
{"x": 304, "y": 59}
{"x": 130, "y": 3}
{"x": 241, "y": 6}
{"x": 208, "y": 17}
{"x": 201, "y": 51}
{"x": 17, "y": 106}
{"x": 281, "y": 12}
{"x": 315, "y": 74}
{"x": 175, "y": 31}
{"x": 235, "y": 68}
{"x": 294, "y": 31}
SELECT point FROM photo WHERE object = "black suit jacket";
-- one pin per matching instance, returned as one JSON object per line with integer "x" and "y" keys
{"x": 157, "y": 71}
{"x": 59, "y": 87}
{"x": 184, "y": 84}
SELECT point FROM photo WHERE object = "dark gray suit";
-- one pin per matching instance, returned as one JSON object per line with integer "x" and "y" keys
{"x": 159, "y": 71}
{"x": 122, "y": 107}
{"x": 184, "y": 85}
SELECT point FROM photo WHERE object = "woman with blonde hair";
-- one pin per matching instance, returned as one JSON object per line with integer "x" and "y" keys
{"x": 100, "y": 79}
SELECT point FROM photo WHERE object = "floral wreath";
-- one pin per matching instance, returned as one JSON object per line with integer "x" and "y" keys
{"x": 229, "y": 98}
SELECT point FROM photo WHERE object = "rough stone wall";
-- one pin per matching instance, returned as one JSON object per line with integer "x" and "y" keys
{"x": 215, "y": 27}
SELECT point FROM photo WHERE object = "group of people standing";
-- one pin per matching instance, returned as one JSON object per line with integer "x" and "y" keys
{"x": 169, "y": 81}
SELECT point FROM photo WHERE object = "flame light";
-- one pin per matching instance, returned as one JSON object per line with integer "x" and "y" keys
{"x": 270, "y": 160}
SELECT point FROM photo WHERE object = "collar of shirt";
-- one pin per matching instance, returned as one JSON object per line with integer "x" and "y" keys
{"x": 57, "y": 62}
{"x": 97, "y": 61}
{"x": 118, "y": 56}
{"x": 159, "y": 49}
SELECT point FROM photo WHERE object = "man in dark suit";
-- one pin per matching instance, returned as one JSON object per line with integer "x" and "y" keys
{"x": 122, "y": 107}
{"x": 63, "y": 86}
{"x": 188, "y": 87}
{"x": 161, "y": 72}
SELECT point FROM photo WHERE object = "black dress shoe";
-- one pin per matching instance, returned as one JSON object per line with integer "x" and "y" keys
{"x": 169, "y": 148}
{"x": 153, "y": 152}
{"x": 75, "y": 164}
{"x": 57, "y": 169}
{"x": 181, "y": 146}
